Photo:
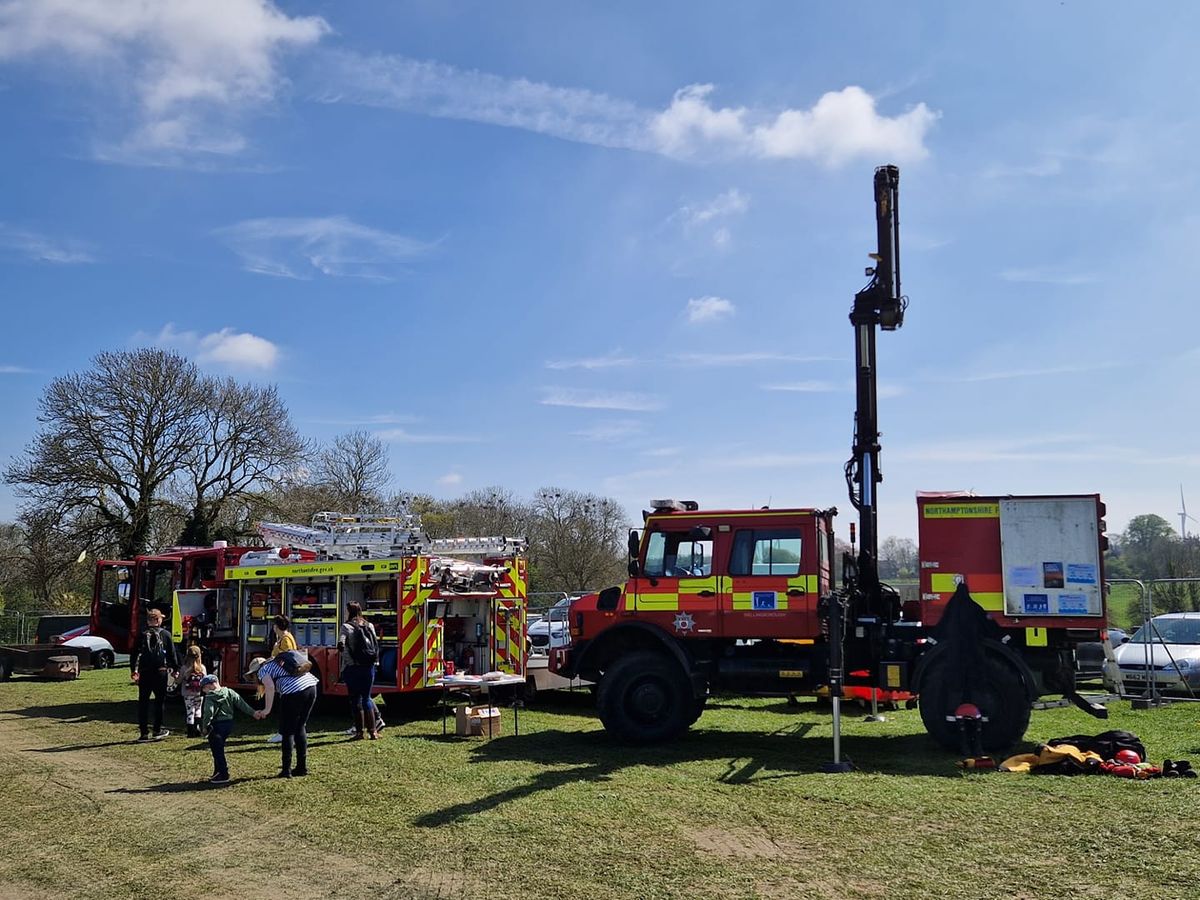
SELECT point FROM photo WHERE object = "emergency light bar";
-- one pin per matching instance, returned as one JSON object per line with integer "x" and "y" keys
{"x": 674, "y": 505}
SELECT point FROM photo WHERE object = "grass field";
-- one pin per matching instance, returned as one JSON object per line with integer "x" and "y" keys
{"x": 737, "y": 809}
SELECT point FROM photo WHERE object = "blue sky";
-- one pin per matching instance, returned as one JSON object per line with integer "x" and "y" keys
{"x": 612, "y": 247}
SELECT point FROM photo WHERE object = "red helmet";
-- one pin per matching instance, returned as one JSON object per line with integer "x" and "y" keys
{"x": 1127, "y": 757}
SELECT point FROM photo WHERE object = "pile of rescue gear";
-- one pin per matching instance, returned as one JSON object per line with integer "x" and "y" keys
{"x": 1120, "y": 754}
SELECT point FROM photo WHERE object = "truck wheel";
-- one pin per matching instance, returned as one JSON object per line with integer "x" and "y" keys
{"x": 999, "y": 692}
{"x": 6, "y": 668}
{"x": 645, "y": 698}
{"x": 697, "y": 709}
{"x": 531, "y": 691}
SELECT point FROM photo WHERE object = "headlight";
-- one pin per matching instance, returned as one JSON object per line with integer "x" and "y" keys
{"x": 1183, "y": 663}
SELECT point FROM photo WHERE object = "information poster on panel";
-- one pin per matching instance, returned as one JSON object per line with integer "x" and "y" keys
{"x": 1051, "y": 556}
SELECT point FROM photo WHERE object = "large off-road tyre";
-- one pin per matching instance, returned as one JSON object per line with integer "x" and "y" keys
{"x": 697, "y": 710}
{"x": 645, "y": 698}
{"x": 998, "y": 690}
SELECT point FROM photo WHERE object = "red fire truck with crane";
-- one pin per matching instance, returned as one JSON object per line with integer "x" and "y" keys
{"x": 746, "y": 600}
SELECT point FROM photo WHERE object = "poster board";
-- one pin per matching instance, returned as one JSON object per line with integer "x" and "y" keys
{"x": 1050, "y": 548}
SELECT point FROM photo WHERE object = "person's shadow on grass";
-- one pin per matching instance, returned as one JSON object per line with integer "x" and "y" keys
{"x": 185, "y": 787}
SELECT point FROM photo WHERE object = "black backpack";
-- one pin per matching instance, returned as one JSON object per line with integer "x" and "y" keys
{"x": 153, "y": 652}
{"x": 362, "y": 646}
{"x": 293, "y": 662}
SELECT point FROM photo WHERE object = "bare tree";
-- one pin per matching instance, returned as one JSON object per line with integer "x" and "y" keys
{"x": 489, "y": 511}
{"x": 247, "y": 445}
{"x": 578, "y": 540}
{"x": 111, "y": 439}
{"x": 354, "y": 471}
{"x": 898, "y": 558}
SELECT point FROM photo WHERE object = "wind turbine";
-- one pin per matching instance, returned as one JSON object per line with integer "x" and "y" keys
{"x": 1183, "y": 515}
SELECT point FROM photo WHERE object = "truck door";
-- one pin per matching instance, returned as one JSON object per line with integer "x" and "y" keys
{"x": 769, "y": 591}
{"x": 677, "y": 589}
{"x": 112, "y": 604}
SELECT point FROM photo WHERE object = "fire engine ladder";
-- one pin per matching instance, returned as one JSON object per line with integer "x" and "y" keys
{"x": 342, "y": 536}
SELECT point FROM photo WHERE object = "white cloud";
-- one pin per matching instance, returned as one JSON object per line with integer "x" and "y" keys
{"x": 584, "y": 399}
{"x": 238, "y": 350}
{"x": 1005, "y": 374}
{"x": 709, "y": 309}
{"x": 746, "y": 359}
{"x": 803, "y": 387}
{"x": 223, "y": 349}
{"x": 450, "y": 479}
{"x": 15, "y": 370}
{"x": 40, "y": 248}
{"x": 730, "y": 203}
{"x": 404, "y": 436}
{"x": 184, "y": 72}
{"x": 605, "y": 432}
{"x": 611, "y": 361}
{"x": 1048, "y": 275}
{"x": 333, "y": 246}
{"x": 843, "y": 125}
{"x": 840, "y": 126}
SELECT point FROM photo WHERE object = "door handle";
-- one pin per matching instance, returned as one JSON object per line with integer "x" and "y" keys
{"x": 707, "y": 593}
{"x": 797, "y": 592}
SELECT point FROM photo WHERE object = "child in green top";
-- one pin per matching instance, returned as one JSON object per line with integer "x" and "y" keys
{"x": 216, "y": 720}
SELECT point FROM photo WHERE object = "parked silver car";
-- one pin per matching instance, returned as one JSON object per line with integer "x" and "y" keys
{"x": 1165, "y": 651}
{"x": 550, "y": 630}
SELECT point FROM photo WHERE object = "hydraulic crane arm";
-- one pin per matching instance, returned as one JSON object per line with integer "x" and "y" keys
{"x": 880, "y": 304}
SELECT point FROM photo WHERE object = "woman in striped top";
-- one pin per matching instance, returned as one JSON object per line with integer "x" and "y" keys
{"x": 297, "y": 694}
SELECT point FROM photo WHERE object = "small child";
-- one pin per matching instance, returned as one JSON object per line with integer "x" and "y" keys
{"x": 190, "y": 674}
{"x": 217, "y": 722}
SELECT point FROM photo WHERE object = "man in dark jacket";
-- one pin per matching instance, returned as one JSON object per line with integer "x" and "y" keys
{"x": 152, "y": 659}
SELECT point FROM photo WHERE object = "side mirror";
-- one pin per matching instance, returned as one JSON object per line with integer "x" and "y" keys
{"x": 701, "y": 533}
{"x": 633, "y": 568}
{"x": 635, "y": 543}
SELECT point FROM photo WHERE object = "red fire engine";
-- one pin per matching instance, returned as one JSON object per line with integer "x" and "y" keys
{"x": 435, "y": 604}
{"x": 745, "y": 600}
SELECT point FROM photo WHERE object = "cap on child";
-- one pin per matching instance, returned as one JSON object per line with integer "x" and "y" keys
{"x": 208, "y": 679}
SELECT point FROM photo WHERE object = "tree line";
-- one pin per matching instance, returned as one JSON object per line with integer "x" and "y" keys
{"x": 144, "y": 451}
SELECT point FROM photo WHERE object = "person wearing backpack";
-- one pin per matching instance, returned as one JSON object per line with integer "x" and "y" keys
{"x": 151, "y": 661}
{"x": 359, "y": 646}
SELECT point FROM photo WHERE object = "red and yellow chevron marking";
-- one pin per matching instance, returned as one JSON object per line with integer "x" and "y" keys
{"x": 414, "y": 571}
{"x": 411, "y": 646}
{"x": 433, "y": 652}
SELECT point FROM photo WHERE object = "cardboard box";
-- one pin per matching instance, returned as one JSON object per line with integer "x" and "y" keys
{"x": 477, "y": 721}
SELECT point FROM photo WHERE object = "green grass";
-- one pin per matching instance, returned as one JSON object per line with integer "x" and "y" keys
{"x": 736, "y": 809}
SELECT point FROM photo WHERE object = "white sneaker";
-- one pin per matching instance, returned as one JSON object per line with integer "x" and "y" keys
{"x": 351, "y": 730}
{"x": 275, "y": 738}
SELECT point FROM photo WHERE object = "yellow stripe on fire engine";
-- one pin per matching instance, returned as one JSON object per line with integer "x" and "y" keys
{"x": 962, "y": 510}
{"x": 944, "y": 582}
{"x": 313, "y": 570}
{"x": 659, "y": 602}
{"x": 808, "y": 583}
{"x": 1036, "y": 637}
{"x": 988, "y": 601}
{"x": 696, "y": 585}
